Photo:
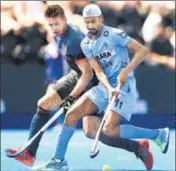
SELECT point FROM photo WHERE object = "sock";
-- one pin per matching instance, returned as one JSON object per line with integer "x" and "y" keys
{"x": 39, "y": 119}
{"x": 126, "y": 144}
{"x": 130, "y": 131}
{"x": 63, "y": 140}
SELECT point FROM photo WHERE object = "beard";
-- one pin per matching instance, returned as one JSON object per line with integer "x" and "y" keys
{"x": 93, "y": 31}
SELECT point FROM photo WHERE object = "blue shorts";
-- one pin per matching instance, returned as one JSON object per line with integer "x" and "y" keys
{"x": 126, "y": 101}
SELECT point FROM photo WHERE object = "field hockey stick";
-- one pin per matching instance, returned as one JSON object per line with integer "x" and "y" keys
{"x": 41, "y": 131}
{"x": 94, "y": 152}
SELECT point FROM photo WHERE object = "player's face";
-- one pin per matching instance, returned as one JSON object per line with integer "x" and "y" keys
{"x": 93, "y": 24}
{"x": 57, "y": 24}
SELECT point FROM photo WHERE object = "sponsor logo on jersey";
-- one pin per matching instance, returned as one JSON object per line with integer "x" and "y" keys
{"x": 104, "y": 55}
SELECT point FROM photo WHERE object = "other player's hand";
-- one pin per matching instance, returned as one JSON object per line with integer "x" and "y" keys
{"x": 68, "y": 103}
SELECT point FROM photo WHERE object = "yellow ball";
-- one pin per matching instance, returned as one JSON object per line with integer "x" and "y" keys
{"x": 106, "y": 168}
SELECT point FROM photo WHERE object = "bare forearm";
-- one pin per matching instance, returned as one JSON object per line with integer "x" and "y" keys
{"x": 104, "y": 80}
{"x": 81, "y": 85}
{"x": 137, "y": 59}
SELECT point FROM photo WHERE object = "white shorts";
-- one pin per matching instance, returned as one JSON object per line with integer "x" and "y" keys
{"x": 124, "y": 104}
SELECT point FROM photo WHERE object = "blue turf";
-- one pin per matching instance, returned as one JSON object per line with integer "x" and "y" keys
{"x": 78, "y": 153}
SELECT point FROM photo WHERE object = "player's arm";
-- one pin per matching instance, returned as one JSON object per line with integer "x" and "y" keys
{"x": 140, "y": 54}
{"x": 86, "y": 76}
{"x": 97, "y": 68}
{"x": 102, "y": 76}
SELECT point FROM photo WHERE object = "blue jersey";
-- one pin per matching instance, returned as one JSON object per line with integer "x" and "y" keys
{"x": 110, "y": 48}
{"x": 69, "y": 46}
{"x": 54, "y": 69}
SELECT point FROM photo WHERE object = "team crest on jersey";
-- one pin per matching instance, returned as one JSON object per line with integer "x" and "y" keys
{"x": 106, "y": 33}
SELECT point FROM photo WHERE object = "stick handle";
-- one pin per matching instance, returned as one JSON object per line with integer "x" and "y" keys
{"x": 95, "y": 144}
{"x": 44, "y": 127}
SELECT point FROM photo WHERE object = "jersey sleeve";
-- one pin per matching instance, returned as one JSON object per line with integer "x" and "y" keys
{"x": 120, "y": 38}
{"x": 87, "y": 52}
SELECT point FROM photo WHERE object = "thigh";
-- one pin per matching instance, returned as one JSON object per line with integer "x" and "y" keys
{"x": 65, "y": 85}
{"x": 50, "y": 86}
{"x": 82, "y": 107}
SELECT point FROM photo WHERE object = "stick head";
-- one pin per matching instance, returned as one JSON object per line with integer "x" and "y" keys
{"x": 14, "y": 153}
{"x": 93, "y": 154}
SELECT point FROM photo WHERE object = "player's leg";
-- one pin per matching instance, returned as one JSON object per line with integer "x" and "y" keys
{"x": 90, "y": 127}
{"x": 46, "y": 104}
{"x": 92, "y": 123}
{"x": 159, "y": 136}
{"x": 112, "y": 129}
{"x": 125, "y": 104}
{"x": 102, "y": 101}
{"x": 130, "y": 131}
{"x": 82, "y": 107}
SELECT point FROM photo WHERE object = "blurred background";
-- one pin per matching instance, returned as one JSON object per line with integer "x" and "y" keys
{"x": 29, "y": 63}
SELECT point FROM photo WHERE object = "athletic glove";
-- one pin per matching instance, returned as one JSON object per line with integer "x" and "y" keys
{"x": 67, "y": 103}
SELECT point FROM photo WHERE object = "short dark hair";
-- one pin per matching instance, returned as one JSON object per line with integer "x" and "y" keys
{"x": 54, "y": 11}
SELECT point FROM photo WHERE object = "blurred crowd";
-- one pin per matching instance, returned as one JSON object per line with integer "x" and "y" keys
{"x": 25, "y": 33}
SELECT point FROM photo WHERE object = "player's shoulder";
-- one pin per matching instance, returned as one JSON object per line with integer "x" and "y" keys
{"x": 113, "y": 30}
{"x": 75, "y": 31}
{"x": 117, "y": 33}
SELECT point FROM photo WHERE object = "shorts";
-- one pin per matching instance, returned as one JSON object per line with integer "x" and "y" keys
{"x": 123, "y": 105}
{"x": 66, "y": 84}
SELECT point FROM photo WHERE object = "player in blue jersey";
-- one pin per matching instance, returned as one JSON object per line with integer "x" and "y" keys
{"x": 70, "y": 86}
{"x": 106, "y": 49}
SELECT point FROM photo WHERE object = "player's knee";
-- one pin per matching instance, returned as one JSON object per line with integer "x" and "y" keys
{"x": 109, "y": 130}
{"x": 89, "y": 132}
{"x": 49, "y": 101}
{"x": 42, "y": 108}
{"x": 42, "y": 103}
{"x": 70, "y": 118}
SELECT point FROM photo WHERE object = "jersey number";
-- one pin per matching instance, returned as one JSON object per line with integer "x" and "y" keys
{"x": 118, "y": 102}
